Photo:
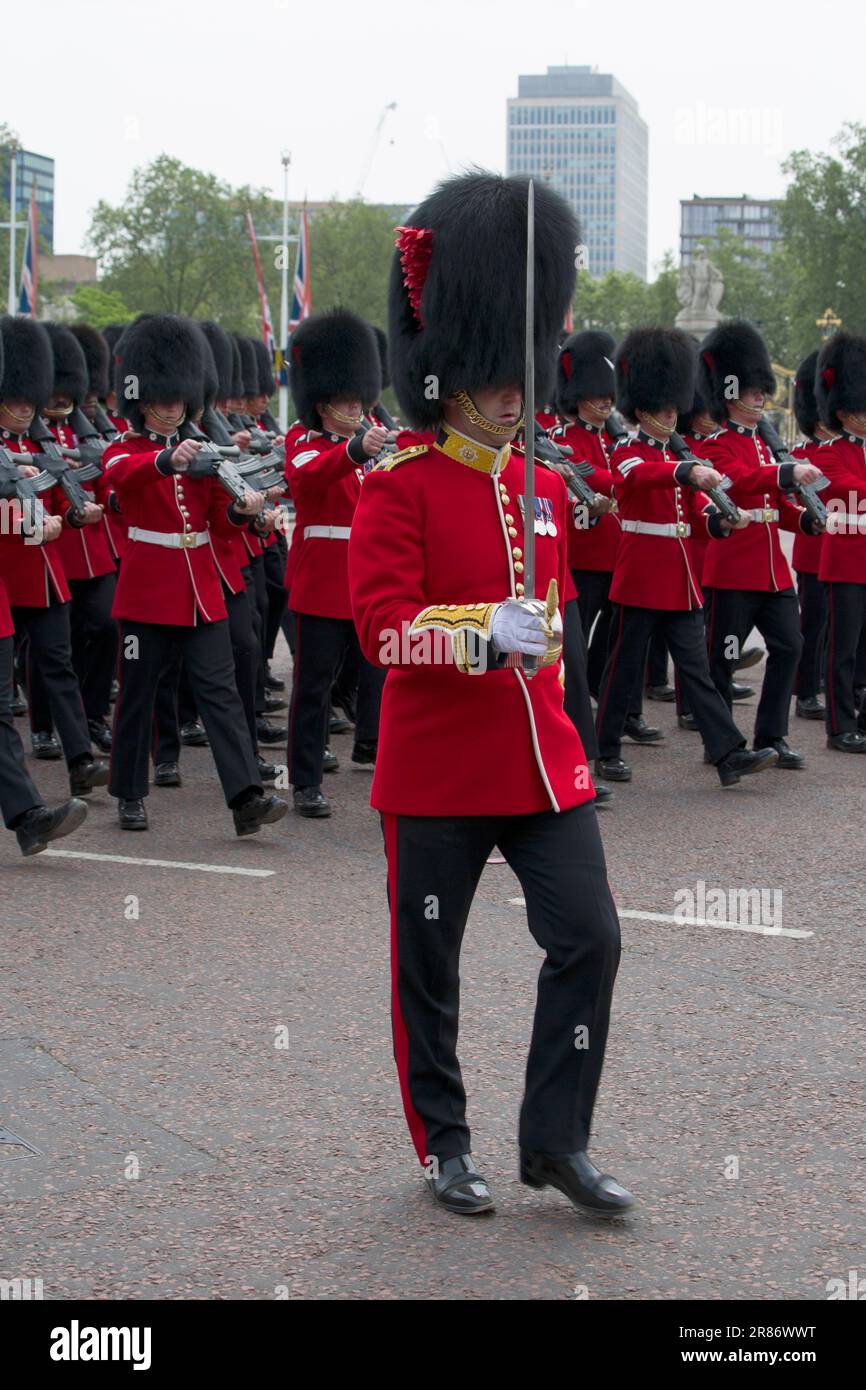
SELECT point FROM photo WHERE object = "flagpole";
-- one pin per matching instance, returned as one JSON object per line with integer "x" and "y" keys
{"x": 284, "y": 295}
{"x": 13, "y": 172}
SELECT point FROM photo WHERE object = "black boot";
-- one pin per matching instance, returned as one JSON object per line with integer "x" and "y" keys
{"x": 457, "y": 1185}
{"x": 131, "y": 814}
{"x": 37, "y": 827}
{"x": 309, "y": 801}
{"x": 612, "y": 769}
{"x": 100, "y": 734}
{"x": 87, "y": 773}
{"x": 788, "y": 759}
{"x": 167, "y": 775}
{"x": 46, "y": 747}
{"x": 743, "y": 762}
{"x": 260, "y": 810}
{"x": 597, "y": 1194}
{"x": 810, "y": 708}
{"x": 639, "y": 731}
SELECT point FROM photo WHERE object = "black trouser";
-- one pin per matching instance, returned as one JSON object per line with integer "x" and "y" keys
{"x": 320, "y": 644}
{"x": 275, "y": 589}
{"x": 207, "y": 654}
{"x": 683, "y": 631}
{"x": 434, "y": 864}
{"x": 733, "y": 614}
{"x": 657, "y": 661}
{"x": 593, "y": 601}
{"x": 577, "y": 702}
{"x": 254, "y": 574}
{"x": 846, "y": 623}
{"x": 50, "y": 651}
{"x": 94, "y": 640}
{"x": 813, "y": 626}
{"x": 17, "y": 792}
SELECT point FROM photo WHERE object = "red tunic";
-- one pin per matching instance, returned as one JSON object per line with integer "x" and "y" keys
{"x": 325, "y": 484}
{"x": 655, "y": 570}
{"x": 430, "y": 529}
{"x": 86, "y": 551}
{"x": 699, "y": 540}
{"x": 843, "y": 550}
{"x": 590, "y": 547}
{"x": 31, "y": 573}
{"x": 806, "y": 558}
{"x": 178, "y": 586}
{"x": 751, "y": 559}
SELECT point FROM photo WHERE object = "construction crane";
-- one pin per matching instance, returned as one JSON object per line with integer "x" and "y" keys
{"x": 373, "y": 146}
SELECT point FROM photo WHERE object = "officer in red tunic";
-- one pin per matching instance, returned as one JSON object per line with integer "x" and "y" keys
{"x": 661, "y": 503}
{"x": 840, "y": 389}
{"x": 168, "y": 593}
{"x": 806, "y": 558}
{"x": 472, "y": 752}
{"x": 30, "y": 564}
{"x": 748, "y": 575}
{"x": 334, "y": 370}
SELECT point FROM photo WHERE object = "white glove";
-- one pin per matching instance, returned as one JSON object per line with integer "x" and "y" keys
{"x": 522, "y": 625}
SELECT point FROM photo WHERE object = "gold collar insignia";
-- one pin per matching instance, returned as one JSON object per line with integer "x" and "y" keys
{"x": 465, "y": 450}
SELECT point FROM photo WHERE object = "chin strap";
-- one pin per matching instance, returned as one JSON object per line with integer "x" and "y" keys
{"x": 474, "y": 416}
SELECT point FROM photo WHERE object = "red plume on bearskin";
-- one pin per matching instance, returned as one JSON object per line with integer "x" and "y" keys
{"x": 415, "y": 245}
{"x": 840, "y": 378}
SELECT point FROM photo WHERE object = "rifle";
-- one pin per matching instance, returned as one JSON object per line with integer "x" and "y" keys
{"x": 549, "y": 451}
{"x": 26, "y": 490}
{"x": 211, "y": 462}
{"x": 61, "y": 466}
{"x": 807, "y": 492}
{"x": 718, "y": 495}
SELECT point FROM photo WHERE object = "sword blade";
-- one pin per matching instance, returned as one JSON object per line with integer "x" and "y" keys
{"x": 529, "y": 662}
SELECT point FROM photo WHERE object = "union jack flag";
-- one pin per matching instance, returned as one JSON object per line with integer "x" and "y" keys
{"x": 301, "y": 306}
{"x": 268, "y": 335}
{"x": 27, "y": 292}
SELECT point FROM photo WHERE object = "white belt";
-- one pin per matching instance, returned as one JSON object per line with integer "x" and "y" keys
{"x": 677, "y": 529}
{"x": 766, "y": 514}
{"x": 173, "y": 540}
{"x": 328, "y": 533}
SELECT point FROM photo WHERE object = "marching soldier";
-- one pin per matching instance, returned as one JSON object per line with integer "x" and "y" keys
{"x": 472, "y": 752}
{"x": 840, "y": 389}
{"x": 748, "y": 575}
{"x": 276, "y": 548}
{"x": 661, "y": 503}
{"x": 30, "y": 564}
{"x": 806, "y": 558}
{"x": 334, "y": 370}
{"x": 168, "y": 593}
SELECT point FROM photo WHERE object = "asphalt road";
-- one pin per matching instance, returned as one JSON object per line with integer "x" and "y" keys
{"x": 201, "y": 1060}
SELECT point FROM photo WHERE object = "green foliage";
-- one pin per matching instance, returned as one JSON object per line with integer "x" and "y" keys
{"x": 351, "y": 245}
{"x": 95, "y": 305}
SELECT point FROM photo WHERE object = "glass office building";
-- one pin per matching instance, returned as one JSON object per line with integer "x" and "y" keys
{"x": 750, "y": 219}
{"x": 33, "y": 170}
{"x": 581, "y": 131}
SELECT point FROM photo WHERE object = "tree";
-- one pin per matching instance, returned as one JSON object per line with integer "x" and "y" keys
{"x": 98, "y": 306}
{"x": 351, "y": 246}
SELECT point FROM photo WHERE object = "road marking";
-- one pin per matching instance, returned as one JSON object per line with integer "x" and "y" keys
{"x": 162, "y": 863}
{"x": 699, "y": 922}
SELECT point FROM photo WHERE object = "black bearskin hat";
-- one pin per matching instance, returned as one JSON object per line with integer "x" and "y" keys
{"x": 332, "y": 355}
{"x": 210, "y": 382}
{"x": 733, "y": 358}
{"x": 686, "y": 418}
{"x": 159, "y": 359}
{"x": 95, "y": 350}
{"x": 223, "y": 355}
{"x": 28, "y": 373}
{"x": 805, "y": 404}
{"x": 70, "y": 364}
{"x": 457, "y": 304}
{"x": 584, "y": 369}
{"x": 655, "y": 367}
{"x": 382, "y": 343}
{"x": 237, "y": 391}
{"x": 840, "y": 378}
{"x": 249, "y": 367}
{"x": 112, "y": 333}
{"x": 267, "y": 385}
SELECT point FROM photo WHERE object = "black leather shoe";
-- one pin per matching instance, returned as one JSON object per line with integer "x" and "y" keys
{"x": 341, "y": 701}
{"x": 847, "y": 743}
{"x": 597, "y": 1194}
{"x": 84, "y": 776}
{"x": 665, "y": 693}
{"x": 687, "y": 721}
{"x": 193, "y": 735}
{"x": 167, "y": 775}
{"x": 639, "y": 731}
{"x": 459, "y": 1187}
{"x": 40, "y": 825}
{"x": 364, "y": 754}
{"x": 308, "y": 801}
{"x": 338, "y": 723}
{"x": 749, "y": 657}
{"x": 603, "y": 796}
{"x": 261, "y": 810}
{"x": 271, "y": 733}
{"x": 267, "y": 771}
{"x": 100, "y": 734}
{"x": 330, "y": 762}
{"x": 743, "y": 762}
{"x": 274, "y": 703}
{"x": 18, "y": 704}
{"x": 741, "y": 692}
{"x": 273, "y": 682}
{"x": 612, "y": 770}
{"x": 46, "y": 747}
{"x": 788, "y": 759}
{"x": 810, "y": 708}
{"x": 131, "y": 815}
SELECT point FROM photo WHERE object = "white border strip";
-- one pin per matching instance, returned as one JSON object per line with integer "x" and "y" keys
{"x": 699, "y": 922}
{"x": 162, "y": 863}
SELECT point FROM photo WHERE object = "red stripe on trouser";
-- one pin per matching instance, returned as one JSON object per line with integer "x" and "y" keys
{"x": 831, "y": 657}
{"x": 398, "y": 1024}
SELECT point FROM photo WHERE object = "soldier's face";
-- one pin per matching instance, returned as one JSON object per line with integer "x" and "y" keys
{"x": 596, "y": 408}
{"x": 501, "y": 404}
{"x": 58, "y": 402}
{"x": 666, "y": 416}
{"x": 752, "y": 398}
{"x": 164, "y": 415}
{"x": 16, "y": 415}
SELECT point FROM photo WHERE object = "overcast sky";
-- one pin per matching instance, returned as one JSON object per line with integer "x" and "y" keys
{"x": 726, "y": 88}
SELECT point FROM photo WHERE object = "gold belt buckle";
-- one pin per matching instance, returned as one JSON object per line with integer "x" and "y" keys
{"x": 681, "y": 528}
{"x": 768, "y": 515}
{"x": 188, "y": 539}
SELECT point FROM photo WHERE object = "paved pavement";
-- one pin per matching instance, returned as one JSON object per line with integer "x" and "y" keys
{"x": 201, "y": 1060}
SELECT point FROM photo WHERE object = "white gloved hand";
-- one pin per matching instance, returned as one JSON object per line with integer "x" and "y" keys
{"x": 522, "y": 625}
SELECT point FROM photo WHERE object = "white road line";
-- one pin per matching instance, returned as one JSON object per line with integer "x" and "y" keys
{"x": 162, "y": 863}
{"x": 699, "y": 922}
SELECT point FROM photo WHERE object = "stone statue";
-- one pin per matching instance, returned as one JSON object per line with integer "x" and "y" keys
{"x": 700, "y": 287}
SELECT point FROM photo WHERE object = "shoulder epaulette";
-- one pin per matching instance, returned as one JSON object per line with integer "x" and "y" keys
{"x": 401, "y": 456}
